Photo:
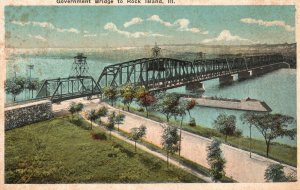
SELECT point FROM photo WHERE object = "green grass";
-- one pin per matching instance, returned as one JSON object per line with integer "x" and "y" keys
{"x": 58, "y": 151}
{"x": 188, "y": 163}
{"x": 280, "y": 152}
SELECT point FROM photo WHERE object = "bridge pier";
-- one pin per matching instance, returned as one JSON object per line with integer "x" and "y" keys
{"x": 195, "y": 87}
{"x": 227, "y": 79}
{"x": 244, "y": 75}
{"x": 257, "y": 72}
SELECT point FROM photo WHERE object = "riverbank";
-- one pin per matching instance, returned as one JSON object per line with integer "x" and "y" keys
{"x": 279, "y": 152}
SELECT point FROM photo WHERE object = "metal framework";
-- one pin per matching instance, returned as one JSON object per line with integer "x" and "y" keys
{"x": 154, "y": 73}
{"x": 78, "y": 84}
{"x": 165, "y": 73}
{"x": 68, "y": 88}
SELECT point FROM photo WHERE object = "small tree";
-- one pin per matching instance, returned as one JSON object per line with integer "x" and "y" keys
{"x": 215, "y": 160}
{"x": 137, "y": 133}
{"x": 119, "y": 119}
{"x": 79, "y": 107}
{"x": 102, "y": 112}
{"x": 139, "y": 92}
{"x": 181, "y": 112}
{"x": 72, "y": 109}
{"x": 146, "y": 100}
{"x": 111, "y": 94}
{"x": 170, "y": 140}
{"x": 167, "y": 104}
{"x": 275, "y": 173}
{"x": 127, "y": 93}
{"x": 14, "y": 86}
{"x": 272, "y": 126}
{"x": 111, "y": 122}
{"x": 190, "y": 105}
{"x": 225, "y": 125}
{"x": 92, "y": 116}
{"x": 31, "y": 85}
{"x": 248, "y": 117}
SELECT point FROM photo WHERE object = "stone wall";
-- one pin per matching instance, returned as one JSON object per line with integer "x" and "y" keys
{"x": 20, "y": 115}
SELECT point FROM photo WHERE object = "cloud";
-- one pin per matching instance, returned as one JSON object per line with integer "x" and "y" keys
{"x": 182, "y": 24}
{"x": 133, "y": 21}
{"x": 279, "y": 23}
{"x": 38, "y": 37}
{"x": 225, "y": 37}
{"x": 20, "y": 23}
{"x": 113, "y": 28}
{"x": 46, "y": 25}
{"x": 89, "y": 35}
{"x": 156, "y": 18}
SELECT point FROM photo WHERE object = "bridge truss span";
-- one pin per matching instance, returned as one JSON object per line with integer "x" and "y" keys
{"x": 165, "y": 73}
{"x": 67, "y": 88}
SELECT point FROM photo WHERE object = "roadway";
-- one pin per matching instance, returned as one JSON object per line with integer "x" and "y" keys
{"x": 239, "y": 165}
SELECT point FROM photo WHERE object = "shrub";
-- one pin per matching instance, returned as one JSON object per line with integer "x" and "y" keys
{"x": 99, "y": 136}
{"x": 140, "y": 109}
{"x": 238, "y": 133}
{"x": 77, "y": 121}
{"x": 192, "y": 122}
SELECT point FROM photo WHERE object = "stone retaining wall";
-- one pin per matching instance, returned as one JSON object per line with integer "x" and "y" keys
{"x": 20, "y": 115}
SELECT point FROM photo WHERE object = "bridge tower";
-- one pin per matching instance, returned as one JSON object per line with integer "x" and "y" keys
{"x": 79, "y": 67}
{"x": 156, "y": 51}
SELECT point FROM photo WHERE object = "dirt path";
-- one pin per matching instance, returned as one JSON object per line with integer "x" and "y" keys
{"x": 239, "y": 165}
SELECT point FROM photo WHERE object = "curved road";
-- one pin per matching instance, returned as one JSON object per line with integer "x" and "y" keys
{"x": 239, "y": 165}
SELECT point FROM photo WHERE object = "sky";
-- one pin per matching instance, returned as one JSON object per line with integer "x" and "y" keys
{"x": 126, "y": 26}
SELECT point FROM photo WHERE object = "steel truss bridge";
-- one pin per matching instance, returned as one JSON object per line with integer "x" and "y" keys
{"x": 158, "y": 74}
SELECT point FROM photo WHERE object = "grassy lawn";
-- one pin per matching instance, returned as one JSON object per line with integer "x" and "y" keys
{"x": 188, "y": 163}
{"x": 280, "y": 152}
{"x": 57, "y": 151}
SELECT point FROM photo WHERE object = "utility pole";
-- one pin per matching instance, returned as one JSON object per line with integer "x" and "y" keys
{"x": 30, "y": 67}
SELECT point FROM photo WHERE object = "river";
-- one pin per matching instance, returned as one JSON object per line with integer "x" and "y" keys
{"x": 277, "y": 89}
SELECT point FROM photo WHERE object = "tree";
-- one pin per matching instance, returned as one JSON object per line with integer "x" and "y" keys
{"x": 92, "y": 116}
{"x": 225, "y": 125}
{"x": 111, "y": 93}
{"x": 247, "y": 117}
{"x": 137, "y": 133}
{"x": 181, "y": 112}
{"x": 170, "y": 140}
{"x": 31, "y": 85}
{"x": 146, "y": 100}
{"x": 127, "y": 93}
{"x": 111, "y": 122}
{"x": 14, "y": 86}
{"x": 272, "y": 126}
{"x": 72, "y": 109}
{"x": 275, "y": 173}
{"x": 102, "y": 112}
{"x": 79, "y": 107}
{"x": 215, "y": 160}
{"x": 119, "y": 119}
{"x": 167, "y": 104}
{"x": 190, "y": 105}
{"x": 139, "y": 92}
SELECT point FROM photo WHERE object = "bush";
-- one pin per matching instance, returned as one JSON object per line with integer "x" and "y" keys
{"x": 192, "y": 122}
{"x": 238, "y": 133}
{"x": 140, "y": 109}
{"x": 78, "y": 121}
{"x": 99, "y": 136}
